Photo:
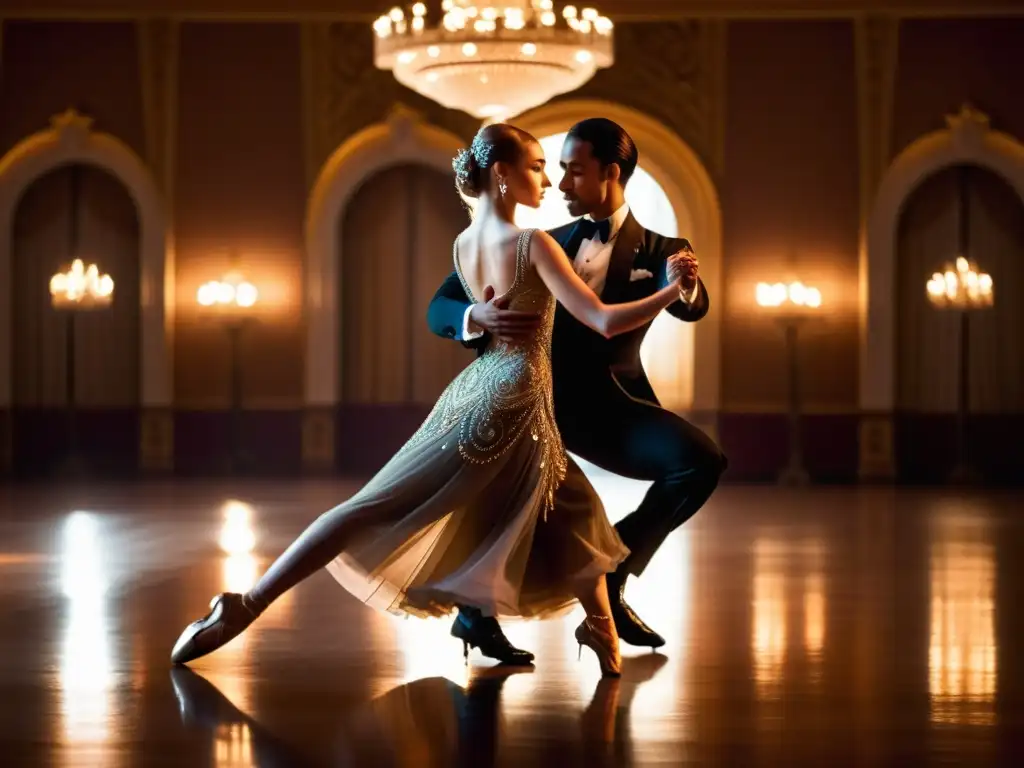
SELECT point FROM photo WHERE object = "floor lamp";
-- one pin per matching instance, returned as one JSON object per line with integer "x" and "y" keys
{"x": 80, "y": 289}
{"x": 232, "y": 300}
{"x": 791, "y": 306}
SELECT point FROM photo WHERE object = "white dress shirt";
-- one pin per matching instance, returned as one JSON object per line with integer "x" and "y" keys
{"x": 591, "y": 264}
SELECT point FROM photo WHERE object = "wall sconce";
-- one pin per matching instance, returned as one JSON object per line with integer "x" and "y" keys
{"x": 791, "y": 305}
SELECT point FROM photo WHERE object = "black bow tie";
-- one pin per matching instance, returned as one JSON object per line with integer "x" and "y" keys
{"x": 596, "y": 229}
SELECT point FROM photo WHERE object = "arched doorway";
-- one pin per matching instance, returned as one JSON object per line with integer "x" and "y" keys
{"x": 397, "y": 233}
{"x": 75, "y": 375}
{"x": 403, "y": 140}
{"x": 70, "y": 140}
{"x": 967, "y": 139}
{"x": 976, "y": 203}
{"x": 671, "y": 375}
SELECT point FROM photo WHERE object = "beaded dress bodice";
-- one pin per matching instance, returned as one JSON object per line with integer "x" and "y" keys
{"x": 504, "y": 397}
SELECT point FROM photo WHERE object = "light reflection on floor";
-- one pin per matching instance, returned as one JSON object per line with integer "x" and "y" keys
{"x": 86, "y": 670}
{"x": 769, "y": 672}
{"x": 962, "y": 652}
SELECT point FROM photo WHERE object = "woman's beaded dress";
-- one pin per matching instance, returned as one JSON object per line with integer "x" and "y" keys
{"x": 482, "y": 506}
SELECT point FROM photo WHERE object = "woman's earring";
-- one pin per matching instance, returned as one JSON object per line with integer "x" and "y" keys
{"x": 502, "y": 187}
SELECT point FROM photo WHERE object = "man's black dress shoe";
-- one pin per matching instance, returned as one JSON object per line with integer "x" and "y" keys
{"x": 630, "y": 627}
{"x": 478, "y": 631}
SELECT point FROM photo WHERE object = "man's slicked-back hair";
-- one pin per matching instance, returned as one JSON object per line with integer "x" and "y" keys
{"x": 609, "y": 144}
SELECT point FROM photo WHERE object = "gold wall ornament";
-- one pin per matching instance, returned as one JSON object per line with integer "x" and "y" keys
{"x": 674, "y": 72}
{"x": 344, "y": 93}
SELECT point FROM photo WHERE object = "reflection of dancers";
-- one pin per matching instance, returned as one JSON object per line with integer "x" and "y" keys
{"x": 432, "y": 718}
{"x": 439, "y": 722}
{"x": 482, "y": 507}
{"x": 201, "y": 704}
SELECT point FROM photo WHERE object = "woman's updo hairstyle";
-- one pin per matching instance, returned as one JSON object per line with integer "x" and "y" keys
{"x": 496, "y": 143}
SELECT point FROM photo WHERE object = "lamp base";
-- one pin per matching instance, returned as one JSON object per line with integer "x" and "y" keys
{"x": 794, "y": 477}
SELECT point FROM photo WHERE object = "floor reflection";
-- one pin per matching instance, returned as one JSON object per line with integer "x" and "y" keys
{"x": 662, "y": 596}
{"x": 814, "y": 627}
{"x": 86, "y": 670}
{"x": 431, "y": 721}
{"x": 789, "y": 608}
{"x": 962, "y": 652}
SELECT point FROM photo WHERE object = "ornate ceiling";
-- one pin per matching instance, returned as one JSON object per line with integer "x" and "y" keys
{"x": 619, "y": 10}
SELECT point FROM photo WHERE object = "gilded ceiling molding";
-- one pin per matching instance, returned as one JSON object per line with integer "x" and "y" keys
{"x": 364, "y": 11}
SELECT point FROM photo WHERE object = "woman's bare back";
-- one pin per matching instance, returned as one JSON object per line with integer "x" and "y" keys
{"x": 487, "y": 257}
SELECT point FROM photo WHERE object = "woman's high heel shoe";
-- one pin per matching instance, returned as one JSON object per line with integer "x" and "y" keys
{"x": 228, "y": 617}
{"x": 604, "y": 645}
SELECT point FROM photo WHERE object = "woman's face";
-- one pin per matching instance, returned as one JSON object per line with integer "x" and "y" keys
{"x": 528, "y": 178}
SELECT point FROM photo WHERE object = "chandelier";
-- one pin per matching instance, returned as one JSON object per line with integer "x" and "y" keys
{"x": 81, "y": 287}
{"x": 493, "y": 59}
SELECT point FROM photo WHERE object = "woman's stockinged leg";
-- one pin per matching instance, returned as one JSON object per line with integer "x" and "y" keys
{"x": 230, "y": 614}
{"x": 315, "y": 547}
{"x": 598, "y": 630}
{"x": 593, "y": 596}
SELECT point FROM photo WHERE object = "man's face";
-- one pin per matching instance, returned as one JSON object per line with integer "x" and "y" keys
{"x": 584, "y": 183}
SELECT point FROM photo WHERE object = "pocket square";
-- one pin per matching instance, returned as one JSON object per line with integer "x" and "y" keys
{"x": 639, "y": 274}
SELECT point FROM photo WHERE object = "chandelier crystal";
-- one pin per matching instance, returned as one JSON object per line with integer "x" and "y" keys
{"x": 493, "y": 61}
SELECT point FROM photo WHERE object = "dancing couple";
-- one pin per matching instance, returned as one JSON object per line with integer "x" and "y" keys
{"x": 483, "y": 511}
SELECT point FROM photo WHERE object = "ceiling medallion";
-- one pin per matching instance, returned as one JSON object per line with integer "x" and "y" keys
{"x": 493, "y": 61}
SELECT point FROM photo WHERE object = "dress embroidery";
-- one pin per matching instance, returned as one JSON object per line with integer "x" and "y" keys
{"x": 505, "y": 395}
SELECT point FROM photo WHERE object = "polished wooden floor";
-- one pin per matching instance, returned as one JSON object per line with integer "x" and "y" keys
{"x": 821, "y": 627}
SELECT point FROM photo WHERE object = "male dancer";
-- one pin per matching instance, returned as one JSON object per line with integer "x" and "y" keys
{"x": 605, "y": 407}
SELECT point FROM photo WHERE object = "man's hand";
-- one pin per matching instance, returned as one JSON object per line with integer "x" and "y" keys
{"x": 683, "y": 266}
{"x": 506, "y": 324}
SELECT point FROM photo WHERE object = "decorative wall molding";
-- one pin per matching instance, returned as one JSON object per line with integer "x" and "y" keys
{"x": 70, "y": 139}
{"x": 968, "y": 138}
{"x": 344, "y": 93}
{"x": 676, "y": 75}
{"x": 158, "y": 68}
{"x": 876, "y": 43}
{"x": 404, "y": 137}
{"x": 692, "y": 194}
{"x": 877, "y": 51}
{"x": 618, "y": 10}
